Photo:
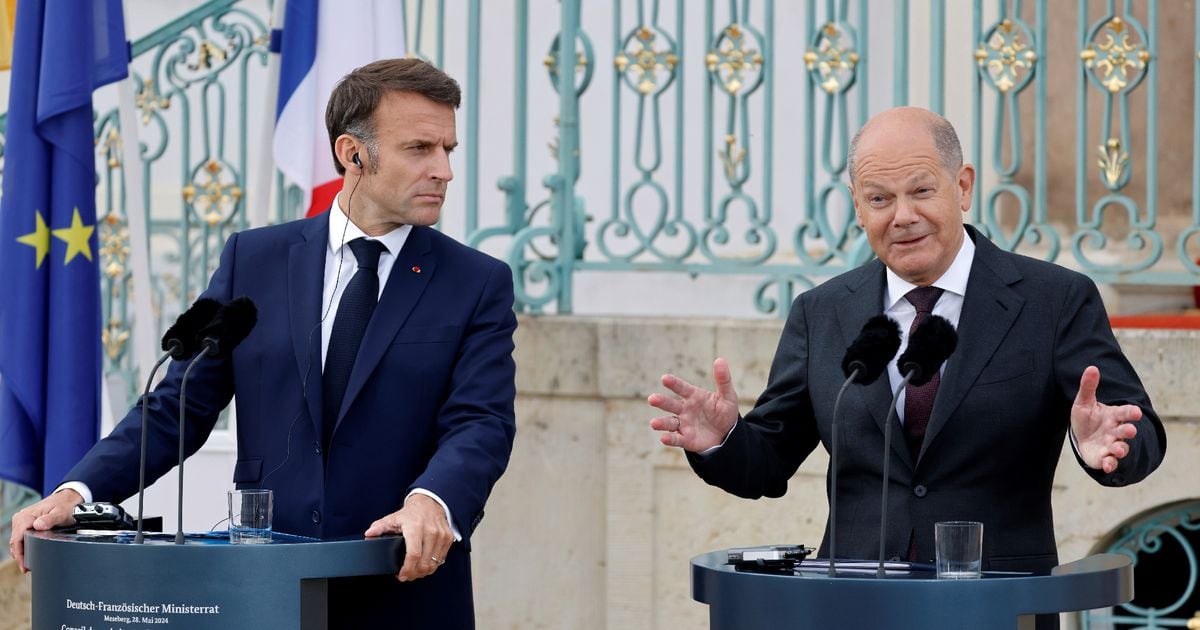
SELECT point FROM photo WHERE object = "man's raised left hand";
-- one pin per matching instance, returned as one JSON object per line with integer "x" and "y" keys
{"x": 1101, "y": 430}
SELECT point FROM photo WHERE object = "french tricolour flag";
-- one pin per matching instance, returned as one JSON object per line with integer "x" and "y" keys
{"x": 321, "y": 41}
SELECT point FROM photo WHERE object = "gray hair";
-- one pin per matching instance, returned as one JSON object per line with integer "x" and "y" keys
{"x": 364, "y": 129}
{"x": 945, "y": 141}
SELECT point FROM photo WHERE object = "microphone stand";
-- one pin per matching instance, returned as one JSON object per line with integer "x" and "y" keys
{"x": 140, "y": 538}
{"x": 208, "y": 347}
{"x": 887, "y": 463}
{"x": 833, "y": 467}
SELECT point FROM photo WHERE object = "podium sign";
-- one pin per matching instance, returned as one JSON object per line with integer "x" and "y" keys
{"x": 92, "y": 582}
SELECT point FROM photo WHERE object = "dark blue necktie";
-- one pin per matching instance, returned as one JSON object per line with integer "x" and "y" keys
{"x": 354, "y": 311}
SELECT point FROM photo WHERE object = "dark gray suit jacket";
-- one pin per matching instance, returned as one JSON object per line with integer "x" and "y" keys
{"x": 1027, "y": 331}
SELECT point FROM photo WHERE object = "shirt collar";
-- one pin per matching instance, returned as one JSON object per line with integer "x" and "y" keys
{"x": 953, "y": 281}
{"x": 338, "y": 221}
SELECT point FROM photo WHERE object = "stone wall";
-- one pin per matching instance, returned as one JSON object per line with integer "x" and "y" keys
{"x": 594, "y": 522}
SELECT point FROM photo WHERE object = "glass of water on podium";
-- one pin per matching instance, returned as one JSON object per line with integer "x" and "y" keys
{"x": 959, "y": 549}
{"x": 250, "y": 516}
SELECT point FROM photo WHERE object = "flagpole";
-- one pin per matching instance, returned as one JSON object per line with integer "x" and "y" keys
{"x": 263, "y": 191}
{"x": 145, "y": 331}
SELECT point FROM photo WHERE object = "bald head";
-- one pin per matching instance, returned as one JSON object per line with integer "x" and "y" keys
{"x": 910, "y": 124}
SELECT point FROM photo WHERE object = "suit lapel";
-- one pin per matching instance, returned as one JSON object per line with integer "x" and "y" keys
{"x": 989, "y": 310}
{"x": 862, "y": 300}
{"x": 410, "y": 275}
{"x": 306, "y": 277}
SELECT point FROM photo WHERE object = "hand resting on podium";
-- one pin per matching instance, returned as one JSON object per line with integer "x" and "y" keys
{"x": 53, "y": 511}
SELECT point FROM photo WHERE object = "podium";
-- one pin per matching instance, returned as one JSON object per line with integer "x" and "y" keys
{"x": 912, "y": 600}
{"x": 105, "y": 581}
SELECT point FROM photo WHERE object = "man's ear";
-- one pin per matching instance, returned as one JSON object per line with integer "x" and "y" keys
{"x": 345, "y": 147}
{"x": 857, "y": 213}
{"x": 966, "y": 186}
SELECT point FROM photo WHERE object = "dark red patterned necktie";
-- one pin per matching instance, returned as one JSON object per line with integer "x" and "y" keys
{"x": 918, "y": 401}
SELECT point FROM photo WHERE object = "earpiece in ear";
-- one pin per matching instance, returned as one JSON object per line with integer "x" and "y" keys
{"x": 357, "y": 161}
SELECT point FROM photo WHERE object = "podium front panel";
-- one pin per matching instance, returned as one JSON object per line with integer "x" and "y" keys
{"x": 88, "y": 582}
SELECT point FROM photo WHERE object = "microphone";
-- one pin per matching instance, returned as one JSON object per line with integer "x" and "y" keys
{"x": 232, "y": 323}
{"x": 928, "y": 347}
{"x": 228, "y": 328}
{"x": 931, "y": 344}
{"x": 866, "y": 358}
{"x": 180, "y": 342}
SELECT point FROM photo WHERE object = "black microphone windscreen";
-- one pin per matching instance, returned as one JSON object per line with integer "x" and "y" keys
{"x": 871, "y": 351}
{"x": 928, "y": 346}
{"x": 183, "y": 338}
{"x": 230, "y": 326}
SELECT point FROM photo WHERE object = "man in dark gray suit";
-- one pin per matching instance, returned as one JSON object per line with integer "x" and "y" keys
{"x": 1034, "y": 340}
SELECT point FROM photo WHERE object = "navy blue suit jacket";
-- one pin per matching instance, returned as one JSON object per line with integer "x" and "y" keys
{"x": 429, "y": 403}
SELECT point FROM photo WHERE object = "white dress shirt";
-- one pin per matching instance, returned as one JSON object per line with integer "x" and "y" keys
{"x": 340, "y": 264}
{"x": 949, "y": 305}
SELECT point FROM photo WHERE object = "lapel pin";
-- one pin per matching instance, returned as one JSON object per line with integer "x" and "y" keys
{"x": 416, "y": 269}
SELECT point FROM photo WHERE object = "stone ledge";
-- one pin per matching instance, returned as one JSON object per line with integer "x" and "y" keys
{"x": 624, "y": 357}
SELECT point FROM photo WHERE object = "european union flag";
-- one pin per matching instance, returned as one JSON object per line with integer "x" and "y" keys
{"x": 50, "y": 359}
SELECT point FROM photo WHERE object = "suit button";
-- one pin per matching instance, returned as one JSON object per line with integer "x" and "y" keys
{"x": 317, "y": 447}
{"x": 920, "y": 491}
{"x": 316, "y": 516}
{"x": 1118, "y": 479}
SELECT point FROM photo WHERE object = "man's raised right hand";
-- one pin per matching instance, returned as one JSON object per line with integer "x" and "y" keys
{"x": 697, "y": 419}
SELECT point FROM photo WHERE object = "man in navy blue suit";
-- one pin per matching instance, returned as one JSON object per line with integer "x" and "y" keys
{"x": 375, "y": 395}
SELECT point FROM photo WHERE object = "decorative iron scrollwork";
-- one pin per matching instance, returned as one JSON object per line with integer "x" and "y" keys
{"x": 584, "y": 66}
{"x": 1006, "y": 57}
{"x": 645, "y": 68}
{"x": 1116, "y": 63}
{"x": 114, "y": 249}
{"x": 217, "y": 198}
{"x": 733, "y": 63}
{"x": 1113, "y": 163}
{"x": 148, "y": 101}
{"x": 833, "y": 58}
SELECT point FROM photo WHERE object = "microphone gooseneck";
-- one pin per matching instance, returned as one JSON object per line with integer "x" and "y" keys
{"x": 928, "y": 347}
{"x": 232, "y": 323}
{"x": 139, "y": 538}
{"x": 179, "y": 342}
{"x": 182, "y": 425}
{"x": 865, "y": 360}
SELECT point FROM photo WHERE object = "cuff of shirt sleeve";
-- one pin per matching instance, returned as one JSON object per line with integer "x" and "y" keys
{"x": 449, "y": 519}
{"x": 713, "y": 449}
{"x": 77, "y": 486}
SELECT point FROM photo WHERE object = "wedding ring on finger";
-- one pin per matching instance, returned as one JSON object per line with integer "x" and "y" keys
{"x": 436, "y": 560}
{"x": 676, "y": 428}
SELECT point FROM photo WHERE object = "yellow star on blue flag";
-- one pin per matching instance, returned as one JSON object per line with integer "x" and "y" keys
{"x": 76, "y": 237}
{"x": 39, "y": 238}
